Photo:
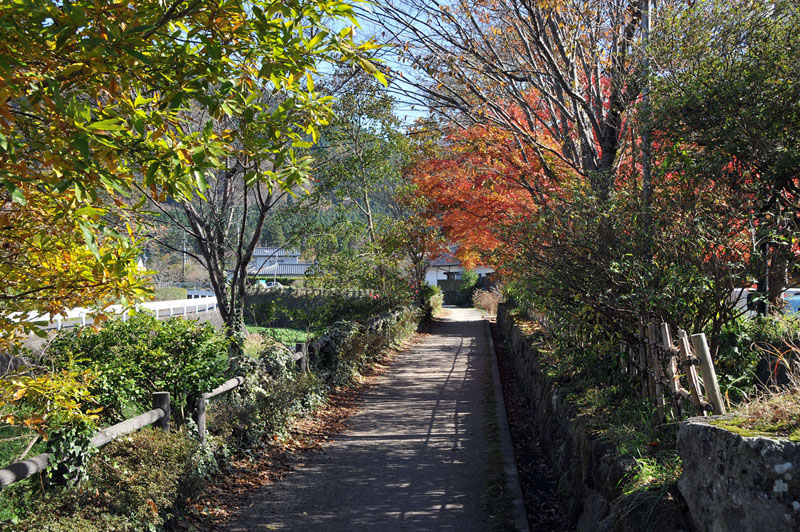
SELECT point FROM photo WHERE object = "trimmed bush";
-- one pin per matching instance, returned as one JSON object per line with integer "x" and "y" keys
{"x": 311, "y": 310}
{"x": 142, "y": 355}
{"x": 261, "y": 407}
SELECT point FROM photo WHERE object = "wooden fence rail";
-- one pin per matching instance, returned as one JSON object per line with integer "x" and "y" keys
{"x": 158, "y": 416}
{"x": 200, "y": 408}
{"x": 160, "y": 413}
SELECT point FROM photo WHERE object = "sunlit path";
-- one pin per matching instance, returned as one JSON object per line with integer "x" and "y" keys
{"x": 415, "y": 457}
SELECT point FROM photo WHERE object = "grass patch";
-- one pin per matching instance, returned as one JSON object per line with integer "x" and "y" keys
{"x": 169, "y": 293}
{"x": 775, "y": 416}
{"x": 654, "y": 474}
{"x": 13, "y": 441}
{"x": 284, "y": 335}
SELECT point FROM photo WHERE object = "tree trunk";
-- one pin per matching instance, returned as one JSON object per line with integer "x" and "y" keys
{"x": 778, "y": 276}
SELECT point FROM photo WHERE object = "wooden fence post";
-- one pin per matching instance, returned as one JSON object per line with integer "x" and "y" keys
{"x": 709, "y": 374}
{"x": 691, "y": 371}
{"x": 302, "y": 348}
{"x": 646, "y": 391}
{"x": 161, "y": 400}
{"x": 657, "y": 372}
{"x": 200, "y": 414}
{"x": 672, "y": 368}
{"x": 623, "y": 364}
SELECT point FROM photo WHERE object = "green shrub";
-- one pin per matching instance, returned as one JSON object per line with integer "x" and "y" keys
{"x": 313, "y": 310}
{"x": 142, "y": 355}
{"x": 406, "y": 325}
{"x": 349, "y": 348}
{"x": 56, "y": 406}
{"x": 261, "y": 407}
{"x": 469, "y": 279}
{"x": 432, "y": 300}
{"x": 138, "y": 482}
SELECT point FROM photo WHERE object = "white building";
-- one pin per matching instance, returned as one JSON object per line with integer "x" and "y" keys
{"x": 449, "y": 267}
{"x": 277, "y": 262}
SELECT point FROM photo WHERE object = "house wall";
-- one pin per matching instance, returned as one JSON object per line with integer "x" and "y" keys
{"x": 260, "y": 261}
{"x": 434, "y": 274}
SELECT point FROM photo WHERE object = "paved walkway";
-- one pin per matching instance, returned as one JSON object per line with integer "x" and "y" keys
{"x": 415, "y": 456}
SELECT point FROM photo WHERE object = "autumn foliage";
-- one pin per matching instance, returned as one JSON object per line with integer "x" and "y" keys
{"x": 102, "y": 102}
{"x": 479, "y": 187}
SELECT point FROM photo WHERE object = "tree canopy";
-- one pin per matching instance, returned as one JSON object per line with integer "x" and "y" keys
{"x": 95, "y": 98}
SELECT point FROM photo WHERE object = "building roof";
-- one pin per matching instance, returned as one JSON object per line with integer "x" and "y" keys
{"x": 275, "y": 252}
{"x": 280, "y": 270}
{"x": 447, "y": 259}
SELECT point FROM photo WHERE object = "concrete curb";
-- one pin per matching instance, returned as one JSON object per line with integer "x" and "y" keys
{"x": 506, "y": 447}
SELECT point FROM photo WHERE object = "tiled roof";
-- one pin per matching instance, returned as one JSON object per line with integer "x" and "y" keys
{"x": 280, "y": 269}
{"x": 445, "y": 260}
{"x": 275, "y": 252}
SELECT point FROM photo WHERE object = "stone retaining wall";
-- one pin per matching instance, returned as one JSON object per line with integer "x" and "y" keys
{"x": 739, "y": 484}
{"x": 589, "y": 471}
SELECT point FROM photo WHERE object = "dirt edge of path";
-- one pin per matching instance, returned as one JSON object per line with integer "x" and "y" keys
{"x": 543, "y": 506}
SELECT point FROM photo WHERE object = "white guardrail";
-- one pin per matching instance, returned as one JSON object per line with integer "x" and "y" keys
{"x": 79, "y": 316}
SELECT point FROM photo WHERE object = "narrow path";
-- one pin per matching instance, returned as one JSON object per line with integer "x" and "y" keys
{"x": 416, "y": 456}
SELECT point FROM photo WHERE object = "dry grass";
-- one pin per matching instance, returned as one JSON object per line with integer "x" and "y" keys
{"x": 783, "y": 358}
{"x": 253, "y": 344}
{"x": 487, "y": 300}
{"x": 775, "y": 415}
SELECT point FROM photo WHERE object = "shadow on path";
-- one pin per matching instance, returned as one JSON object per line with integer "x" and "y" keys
{"x": 414, "y": 457}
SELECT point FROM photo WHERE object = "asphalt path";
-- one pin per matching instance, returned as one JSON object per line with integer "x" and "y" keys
{"x": 415, "y": 457}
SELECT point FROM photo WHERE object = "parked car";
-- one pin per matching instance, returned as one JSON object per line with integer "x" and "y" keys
{"x": 745, "y": 299}
{"x": 274, "y": 284}
{"x": 792, "y": 305}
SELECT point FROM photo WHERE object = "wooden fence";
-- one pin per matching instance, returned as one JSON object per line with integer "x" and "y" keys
{"x": 667, "y": 370}
{"x": 158, "y": 416}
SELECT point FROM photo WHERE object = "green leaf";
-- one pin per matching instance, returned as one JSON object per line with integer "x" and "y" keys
{"x": 151, "y": 172}
{"x": 109, "y": 124}
{"x": 82, "y": 143}
{"x": 316, "y": 39}
{"x": 200, "y": 179}
{"x": 88, "y": 210}
{"x": 18, "y": 197}
{"x": 91, "y": 242}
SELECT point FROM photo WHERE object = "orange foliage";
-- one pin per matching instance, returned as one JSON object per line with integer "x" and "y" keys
{"x": 482, "y": 184}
